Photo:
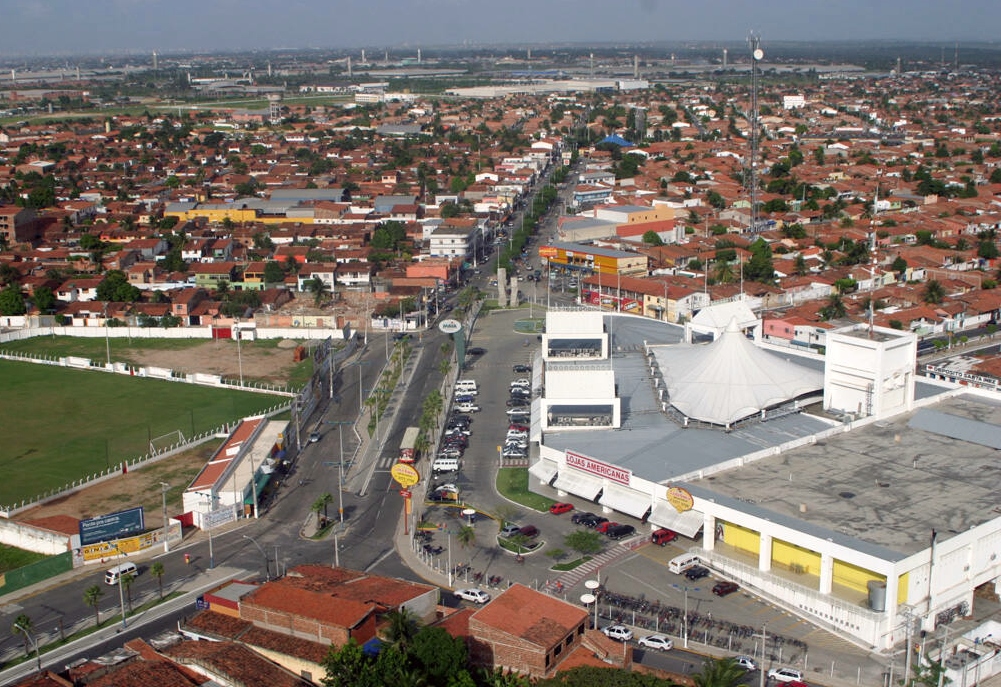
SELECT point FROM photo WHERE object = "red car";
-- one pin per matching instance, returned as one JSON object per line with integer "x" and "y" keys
{"x": 603, "y": 527}
{"x": 558, "y": 508}
{"x": 663, "y": 536}
{"x": 725, "y": 587}
{"x": 518, "y": 428}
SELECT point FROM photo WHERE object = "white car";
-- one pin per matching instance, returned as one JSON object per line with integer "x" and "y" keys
{"x": 477, "y": 596}
{"x": 745, "y": 662}
{"x": 619, "y": 632}
{"x": 523, "y": 383}
{"x": 785, "y": 674}
{"x": 467, "y": 408}
{"x": 656, "y": 642}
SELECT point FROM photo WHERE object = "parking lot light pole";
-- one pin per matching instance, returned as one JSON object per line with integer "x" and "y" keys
{"x": 34, "y": 643}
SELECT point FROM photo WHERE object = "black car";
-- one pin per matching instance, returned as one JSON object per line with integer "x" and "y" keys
{"x": 522, "y": 369}
{"x": 476, "y": 351}
{"x": 620, "y": 531}
{"x": 697, "y": 572}
{"x": 518, "y": 403}
{"x": 579, "y": 518}
{"x": 519, "y": 392}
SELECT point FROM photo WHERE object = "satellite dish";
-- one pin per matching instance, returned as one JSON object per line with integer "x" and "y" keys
{"x": 758, "y": 54}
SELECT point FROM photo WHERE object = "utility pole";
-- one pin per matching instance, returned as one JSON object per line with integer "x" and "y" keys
{"x": 166, "y": 523}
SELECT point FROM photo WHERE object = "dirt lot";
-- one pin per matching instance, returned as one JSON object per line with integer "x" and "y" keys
{"x": 138, "y": 487}
{"x": 260, "y": 361}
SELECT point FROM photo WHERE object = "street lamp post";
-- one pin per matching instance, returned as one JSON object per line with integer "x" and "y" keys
{"x": 239, "y": 351}
{"x": 764, "y": 642}
{"x": 340, "y": 469}
{"x": 34, "y": 642}
{"x": 267, "y": 565}
{"x": 121, "y": 591}
{"x": 107, "y": 338}
{"x": 592, "y": 587}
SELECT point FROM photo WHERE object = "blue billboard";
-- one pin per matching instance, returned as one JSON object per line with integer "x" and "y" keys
{"x": 120, "y": 524}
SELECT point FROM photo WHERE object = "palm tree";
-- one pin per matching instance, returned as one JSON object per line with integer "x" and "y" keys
{"x": 22, "y": 626}
{"x": 466, "y": 536}
{"x": 723, "y": 672}
{"x": 321, "y": 504}
{"x": 157, "y": 570}
{"x": 723, "y": 272}
{"x": 401, "y": 626}
{"x": 126, "y": 581}
{"x": 92, "y": 597}
{"x": 318, "y": 288}
{"x": 835, "y": 308}
{"x": 934, "y": 292}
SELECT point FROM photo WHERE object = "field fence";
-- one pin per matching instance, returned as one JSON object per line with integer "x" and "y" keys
{"x": 119, "y": 468}
{"x": 126, "y": 369}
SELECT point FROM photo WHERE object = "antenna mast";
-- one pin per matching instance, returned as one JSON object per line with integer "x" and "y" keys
{"x": 756, "y": 56}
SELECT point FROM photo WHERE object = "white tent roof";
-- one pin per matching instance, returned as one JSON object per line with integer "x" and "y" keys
{"x": 717, "y": 317}
{"x": 731, "y": 378}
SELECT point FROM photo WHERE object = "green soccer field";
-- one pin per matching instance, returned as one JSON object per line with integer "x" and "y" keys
{"x": 62, "y": 425}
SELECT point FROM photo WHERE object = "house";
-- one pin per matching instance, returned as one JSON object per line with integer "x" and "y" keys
{"x": 17, "y": 225}
{"x": 501, "y": 635}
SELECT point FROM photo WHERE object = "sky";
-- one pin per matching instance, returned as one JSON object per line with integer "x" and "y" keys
{"x": 66, "y": 27}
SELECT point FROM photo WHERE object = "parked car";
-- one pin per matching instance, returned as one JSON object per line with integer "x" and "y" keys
{"x": 659, "y": 642}
{"x": 518, "y": 403}
{"x": 468, "y": 407}
{"x": 477, "y": 596}
{"x": 579, "y": 518}
{"x": 785, "y": 674}
{"x": 603, "y": 526}
{"x": 516, "y": 412}
{"x": 514, "y": 427}
{"x": 314, "y": 437}
{"x": 514, "y": 451}
{"x": 594, "y": 521}
{"x": 560, "y": 508}
{"x": 697, "y": 572}
{"x": 476, "y": 350}
{"x": 529, "y": 531}
{"x": 725, "y": 587}
{"x": 526, "y": 383}
{"x": 450, "y": 451}
{"x": 522, "y": 369}
{"x": 619, "y": 632}
{"x": 746, "y": 662}
{"x": 620, "y": 531}
{"x": 663, "y": 536}
{"x": 465, "y": 398}
{"x": 509, "y": 530}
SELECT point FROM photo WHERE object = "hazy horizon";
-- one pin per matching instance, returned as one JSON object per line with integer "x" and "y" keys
{"x": 62, "y": 27}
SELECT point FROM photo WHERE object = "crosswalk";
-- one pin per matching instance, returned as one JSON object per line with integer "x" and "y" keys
{"x": 572, "y": 577}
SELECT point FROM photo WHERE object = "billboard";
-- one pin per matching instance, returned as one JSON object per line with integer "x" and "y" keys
{"x": 105, "y": 527}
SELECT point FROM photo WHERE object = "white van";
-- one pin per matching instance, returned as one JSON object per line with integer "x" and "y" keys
{"x": 466, "y": 386}
{"x": 445, "y": 465}
{"x": 467, "y": 407}
{"x": 680, "y": 564}
{"x": 114, "y": 574}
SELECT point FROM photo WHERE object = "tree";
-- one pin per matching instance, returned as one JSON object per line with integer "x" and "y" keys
{"x": 318, "y": 288}
{"x": 835, "y": 308}
{"x": 899, "y": 265}
{"x": 799, "y": 265}
{"x": 157, "y": 570}
{"x": 723, "y": 272}
{"x": 12, "y": 301}
{"x": 401, "y": 627}
{"x": 116, "y": 287}
{"x": 466, "y": 536}
{"x": 759, "y": 266}
{"x": 652, "y": 238}
{"x": 934, "y": 292}
{"x": 321, "y": 503}
{"x": 92, "y": 597}
{"x": 584, "y": 542}
{"x": 347, "y": 666}
{"x": 126, "y": 581}
{"x": 439, "y": 655}
{"x": 273, "y": 272}
{"x": 23, "y": 626}
{"x": 721, "y": 672}
{"x": 987, "y": 249}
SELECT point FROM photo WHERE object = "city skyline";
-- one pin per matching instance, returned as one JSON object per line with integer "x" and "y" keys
{"x": 61, "y": 27}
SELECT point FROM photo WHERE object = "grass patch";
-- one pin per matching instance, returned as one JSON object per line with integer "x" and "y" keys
{"x": 570, "y": 565}
{"x": 75, "y": 423}
{"x": 512, "y": 483}
{"x": 12, "y": 558}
